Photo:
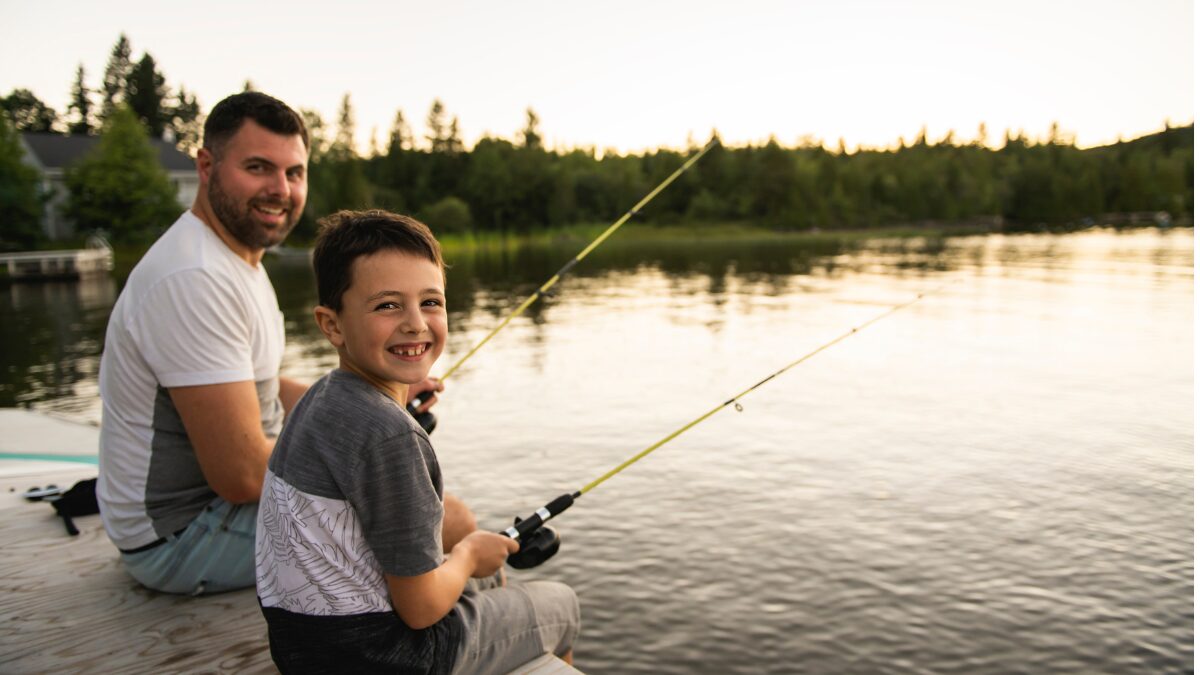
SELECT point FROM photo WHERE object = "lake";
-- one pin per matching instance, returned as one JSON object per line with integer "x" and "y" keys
{"x": 995, "y": 479}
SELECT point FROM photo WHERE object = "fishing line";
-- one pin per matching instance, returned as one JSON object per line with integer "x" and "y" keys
{"x": 545, "y": 288}
{"x": 539, "y": 543}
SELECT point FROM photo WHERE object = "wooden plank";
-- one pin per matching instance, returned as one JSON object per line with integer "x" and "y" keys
{"x": 544, "y": 665}
{"x": 66, "y": 604}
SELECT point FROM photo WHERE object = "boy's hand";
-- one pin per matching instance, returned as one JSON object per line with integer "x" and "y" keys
{"x": 489, "y": 551}
{"x": 430, "y": 384}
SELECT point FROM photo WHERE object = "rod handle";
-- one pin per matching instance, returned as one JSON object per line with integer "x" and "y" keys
{"x": 527, "y": 526}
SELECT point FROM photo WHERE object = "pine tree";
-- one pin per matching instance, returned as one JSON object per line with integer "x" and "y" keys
{"x": 373, "y": 143}
{"x": 530, "y": 136}
{"x": 146, "y": 91}
{"x": 400, "y": 137}
{"x": 343, "y": 144}
{"x": 116, "y": 73}
{"x": 438, "y": 129}
{"x": 186, "y": 122}
{"x": 347, "y": 186}
{"x": 21, "y": 201}
{"x": 453, "y": 139}
{"x": 81, "y": 105}
{"x": 119, "y": 186}
{"x": 443, "y": 137}
{"x": 318, "y": 138}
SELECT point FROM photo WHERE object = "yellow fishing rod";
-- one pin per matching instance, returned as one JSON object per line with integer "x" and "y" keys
{"x": 539, "y": 543}
{"x": 427, "y": 419}
{"x": 581, "y": 255}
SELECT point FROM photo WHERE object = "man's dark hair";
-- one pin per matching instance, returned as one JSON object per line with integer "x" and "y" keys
{"x": 348, "y": 235}
{"x": 267, "y": 111}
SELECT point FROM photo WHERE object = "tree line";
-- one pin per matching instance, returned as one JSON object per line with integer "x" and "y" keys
{"x": 517, "y": 184}
{"x": 138, "y": 85}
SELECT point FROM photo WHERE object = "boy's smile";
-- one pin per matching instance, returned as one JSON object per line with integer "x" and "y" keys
{"x": 392, "y": 325}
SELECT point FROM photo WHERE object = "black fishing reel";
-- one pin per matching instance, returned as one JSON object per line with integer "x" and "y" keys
{"x": 536, "y": 549}
{"x": 426, "y": 419}
{"x": 539, "y": 542}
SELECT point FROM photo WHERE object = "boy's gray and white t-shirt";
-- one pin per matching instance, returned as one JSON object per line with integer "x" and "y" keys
{"x": 353, "y": 491}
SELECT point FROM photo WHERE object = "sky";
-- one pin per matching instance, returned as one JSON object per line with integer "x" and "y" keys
{"x": 632, "y": 75}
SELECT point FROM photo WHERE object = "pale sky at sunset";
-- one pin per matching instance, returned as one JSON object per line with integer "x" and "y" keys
{"x": 637, "y": 74}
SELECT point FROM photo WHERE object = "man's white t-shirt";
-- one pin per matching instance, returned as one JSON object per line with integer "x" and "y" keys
{"x": 192, "y": 313}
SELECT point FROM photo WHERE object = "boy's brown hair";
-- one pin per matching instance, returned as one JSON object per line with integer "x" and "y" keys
{"x": 348, "y": 235}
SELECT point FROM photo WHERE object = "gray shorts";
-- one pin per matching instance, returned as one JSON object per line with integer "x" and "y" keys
{"x": 507, "y": 626}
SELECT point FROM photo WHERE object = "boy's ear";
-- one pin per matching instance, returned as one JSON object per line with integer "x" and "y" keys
{"x": 327, "y": 321}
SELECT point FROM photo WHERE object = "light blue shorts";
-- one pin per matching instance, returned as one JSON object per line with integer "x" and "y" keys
{"x": 214, "y": 554}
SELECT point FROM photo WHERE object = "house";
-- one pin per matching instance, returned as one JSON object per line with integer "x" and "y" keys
{"x": 51, "y": 154}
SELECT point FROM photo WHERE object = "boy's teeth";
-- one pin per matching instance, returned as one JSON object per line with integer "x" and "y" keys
{"x": 411, "y": 351}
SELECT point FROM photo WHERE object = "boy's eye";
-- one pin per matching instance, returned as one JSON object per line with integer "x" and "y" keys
{"x": 386, "y": 305}
{"x": 431, "y": 303}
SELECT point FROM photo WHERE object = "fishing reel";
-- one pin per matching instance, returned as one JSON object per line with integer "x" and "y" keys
{"x": 426, "y": 419}
{"x": 536, "y": 549}
{"x": 539, "y": 542}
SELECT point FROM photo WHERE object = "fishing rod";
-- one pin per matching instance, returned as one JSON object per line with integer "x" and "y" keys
{"x": 545, "y": 288}
{"x": 427, "y": 419}
{"x": 539, "y": 543}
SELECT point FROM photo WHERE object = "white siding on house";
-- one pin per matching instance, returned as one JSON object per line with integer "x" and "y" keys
{"x": 54, "y": 223}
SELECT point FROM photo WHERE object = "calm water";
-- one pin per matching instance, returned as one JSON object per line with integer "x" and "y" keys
{"x": 997, "y": 479}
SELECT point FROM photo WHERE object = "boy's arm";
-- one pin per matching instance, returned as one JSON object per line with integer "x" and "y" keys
{"x": 432, "y": 385}
{"x": 423, "y": 600}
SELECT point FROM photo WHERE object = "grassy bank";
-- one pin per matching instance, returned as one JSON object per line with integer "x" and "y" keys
{"x": 706, "y": 233}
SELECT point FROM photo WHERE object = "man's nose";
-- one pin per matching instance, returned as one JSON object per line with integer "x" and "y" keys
{"x": 279, "y": 186}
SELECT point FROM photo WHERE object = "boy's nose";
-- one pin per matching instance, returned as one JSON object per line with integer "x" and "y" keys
{"x": 413, "y": 321}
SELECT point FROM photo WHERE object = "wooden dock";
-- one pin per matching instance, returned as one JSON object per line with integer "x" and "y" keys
{"x": 66, "y": 605}
{"x": 73, "y": 264}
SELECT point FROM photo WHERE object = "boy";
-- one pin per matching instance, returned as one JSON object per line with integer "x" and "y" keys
{"x": 352, "y": 574}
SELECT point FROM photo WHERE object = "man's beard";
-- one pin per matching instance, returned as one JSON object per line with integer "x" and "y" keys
{"x": 240, "y": 222}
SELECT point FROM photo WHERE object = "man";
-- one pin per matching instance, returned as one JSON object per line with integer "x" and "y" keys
{"x": 189, "y": 378}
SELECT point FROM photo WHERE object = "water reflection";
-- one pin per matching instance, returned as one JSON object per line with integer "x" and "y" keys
{"x": 52, "y": 337}
{"x": 996, "y": 480}
{"x": 54, "y": 332}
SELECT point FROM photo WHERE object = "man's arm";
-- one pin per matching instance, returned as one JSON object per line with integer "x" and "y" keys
{"x": 290, "y": 392}
{"x": 223, "y": 423}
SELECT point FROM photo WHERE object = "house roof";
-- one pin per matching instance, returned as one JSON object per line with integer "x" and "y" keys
{"x": 55, "y": 151}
